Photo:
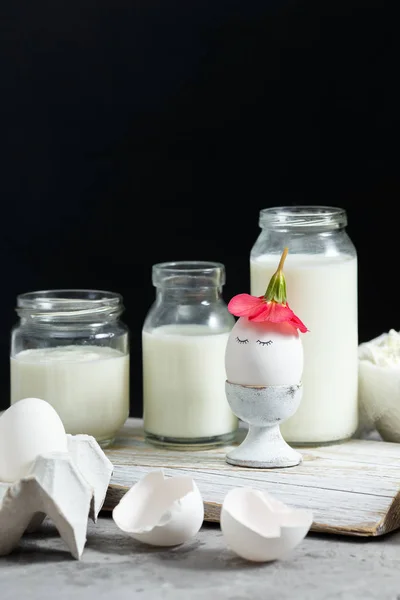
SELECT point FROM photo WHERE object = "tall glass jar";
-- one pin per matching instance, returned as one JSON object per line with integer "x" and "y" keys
{"x": 71, "y": 349}
{"x": 321, "y": 277}
{"x": 183, "y": 349}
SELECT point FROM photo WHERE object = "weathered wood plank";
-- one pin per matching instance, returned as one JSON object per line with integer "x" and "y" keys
{"x": 352, "y": 488}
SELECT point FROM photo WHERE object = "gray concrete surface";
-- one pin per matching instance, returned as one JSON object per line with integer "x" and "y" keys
{"x": 117, "y": 567}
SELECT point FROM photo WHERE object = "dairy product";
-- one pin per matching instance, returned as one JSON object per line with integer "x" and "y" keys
{"x": 87, "y": 385}
{"x": 184, "y": 383}
{"x": 322, "y": 291}
{"x": 379, "y": 385}
{"x": 383, "y": 351}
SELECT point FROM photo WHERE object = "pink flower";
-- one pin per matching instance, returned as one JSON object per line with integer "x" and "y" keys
{"x": 259, "y": 309}
{"x": 272, "y": 307}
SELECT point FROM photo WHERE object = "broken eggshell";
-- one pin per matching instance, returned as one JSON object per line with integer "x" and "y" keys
{"x": 259, "y": 528}
{"x": 161, "y": 511}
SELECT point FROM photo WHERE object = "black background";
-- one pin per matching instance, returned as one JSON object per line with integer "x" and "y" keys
{"x": 137, "y": 132}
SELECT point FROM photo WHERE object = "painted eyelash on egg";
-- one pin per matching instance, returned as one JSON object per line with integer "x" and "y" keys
{"x": 268, "y": 343}
{"x": 242, "y": 341}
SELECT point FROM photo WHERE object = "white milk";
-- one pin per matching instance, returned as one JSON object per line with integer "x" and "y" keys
{"x": 184, "y": 383}
{"x": 87, "y": 385}
{"x": 322, "y": 291}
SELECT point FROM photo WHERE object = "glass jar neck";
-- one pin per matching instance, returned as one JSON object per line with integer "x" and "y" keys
{"x": 65, "y": 307}
{"x": 303, "y": 219}
{"x": 188, "y": 281}
{"x": 179, "y": 295}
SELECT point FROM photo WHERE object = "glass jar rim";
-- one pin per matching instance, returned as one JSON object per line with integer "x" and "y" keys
{"x": 190, "y": 273}
{"x": 68, "y": 303}
{"x": 303, "y": 216}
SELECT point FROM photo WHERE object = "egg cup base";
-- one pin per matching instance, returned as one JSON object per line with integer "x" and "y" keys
{"x": 264, "y": 448}
{"x": 263, "y": 408}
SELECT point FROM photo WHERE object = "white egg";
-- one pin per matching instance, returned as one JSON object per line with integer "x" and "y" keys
{"x": 263, "y": 354}
{"x": 259, "y": 528}
{"x": 28, "y": 428}
{"x": 161, "y": 511}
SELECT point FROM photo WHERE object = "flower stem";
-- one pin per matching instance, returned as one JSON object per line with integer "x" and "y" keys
{"x": 276, "y": 290}
{"x": 283, "y": 258}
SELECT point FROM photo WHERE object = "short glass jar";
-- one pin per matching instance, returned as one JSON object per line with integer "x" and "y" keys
{"x": 184, "y": 339}
{"x": 71, "y": 349}
{"x": 321, "y": 277}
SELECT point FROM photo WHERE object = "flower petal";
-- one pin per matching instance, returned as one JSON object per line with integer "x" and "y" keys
{"x": 244, "y": 305}
{"x": 296, "y": 322}
{"x": 257, "y": 309}
{"x": 278, "y": 313}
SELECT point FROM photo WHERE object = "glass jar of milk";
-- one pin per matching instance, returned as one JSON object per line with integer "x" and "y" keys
{"x": 71, "y": 349}
{"x": 183, "y": 356}
{"x": 321, "y": 277}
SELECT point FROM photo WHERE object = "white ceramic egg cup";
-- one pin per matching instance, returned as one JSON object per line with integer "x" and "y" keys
{"x": 67, "y": 487}
{"x": 263, "y": 409}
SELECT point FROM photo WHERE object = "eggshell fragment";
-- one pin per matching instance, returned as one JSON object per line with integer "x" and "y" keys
{"x": 263, "y": 354}
{"x": 259, "y": 528}
{"x": 161, "y": 511}
{"x": 28, "y": 428}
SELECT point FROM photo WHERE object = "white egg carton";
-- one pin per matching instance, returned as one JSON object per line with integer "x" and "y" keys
{"x": 68, "y": 487}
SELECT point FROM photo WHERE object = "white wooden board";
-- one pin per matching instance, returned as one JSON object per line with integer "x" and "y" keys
{"x": 352, "y": 488}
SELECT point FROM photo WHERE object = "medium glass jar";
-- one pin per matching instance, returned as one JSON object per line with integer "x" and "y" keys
{"x": 321, "y": 277}
{"x": 183, "y": 349}
{"x": 71, "y": 349}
